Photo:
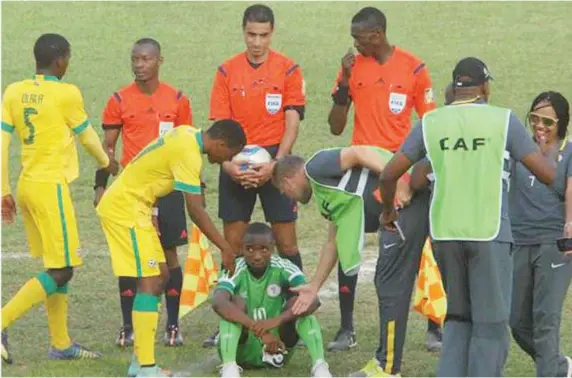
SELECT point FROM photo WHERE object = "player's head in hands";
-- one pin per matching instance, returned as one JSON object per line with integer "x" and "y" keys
{"x": 257, "y": 247}
{"x": 257, "y": 27}
{"x": 549, "y": 113}
{"x": 368, "y": 31}
{"x": 471, "y": 78}
{"x": 146, "y": 59}
{"x": 224, "y": 139}
{"x": 52, "y": 53}
{"x": 289, "y": 176}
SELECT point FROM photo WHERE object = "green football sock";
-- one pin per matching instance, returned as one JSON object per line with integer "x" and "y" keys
{"x": 309, "y": 330}
{"x": 229, "y": 336}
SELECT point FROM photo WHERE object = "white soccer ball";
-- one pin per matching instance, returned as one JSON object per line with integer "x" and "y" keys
{"x": 252, "y": 154}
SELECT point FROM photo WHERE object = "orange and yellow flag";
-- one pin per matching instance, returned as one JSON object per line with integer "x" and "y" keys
{"x": 430, "y": 298}
{"x": 200, "y": 275}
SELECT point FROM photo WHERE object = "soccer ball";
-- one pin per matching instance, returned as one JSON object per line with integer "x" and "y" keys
{"x": 252, "y": 154}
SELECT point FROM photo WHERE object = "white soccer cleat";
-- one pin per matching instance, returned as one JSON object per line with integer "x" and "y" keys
{"x": 321, "y": 369}
{"x": 569, "y": 375}
{"x": 230, "y": 369}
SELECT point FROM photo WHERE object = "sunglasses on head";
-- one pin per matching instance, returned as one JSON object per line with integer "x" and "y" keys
{"x": 535, "y": 118}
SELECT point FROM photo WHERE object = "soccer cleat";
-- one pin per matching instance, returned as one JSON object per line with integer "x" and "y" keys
{"x": 125, "y": 337}
{"x": 173, "y": 336}
{"x": 5, "y": 354}
{"x": 153, "y": 371}
{"x": 434, "y": 340}
{"x": 321, "y": 369}
{"x": 74, "y": 352}
{"x": 569, "y": 374}
{"x": 211, "y": 341}
{"x": 345, "y": 339}
{"x": 230, "y": 369}
{"x": 372, "y": 369}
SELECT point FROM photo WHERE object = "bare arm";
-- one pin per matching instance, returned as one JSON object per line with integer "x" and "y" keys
{"x": 288, "y": 315}
{"x": 110, "y": 138}
{"x": 226, "y": 309}
{"x": 203, "y": 221}
{"x": 419, "y": 174}
{"x": 361, "y": 156}
{"x": 292, "y": 125}
{"x": 338, "y": 118}
{"x": 396, "y": 167}
{"x": 540, "y": 166}
{"x": 328, "y": 259}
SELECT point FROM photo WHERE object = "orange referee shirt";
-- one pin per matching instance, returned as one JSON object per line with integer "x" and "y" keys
{"x": 257, "y": 97}
{"x": 144, "y": 117}
{"x": 384, "y": 96}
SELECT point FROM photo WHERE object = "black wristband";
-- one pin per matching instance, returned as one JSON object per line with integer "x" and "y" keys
{"x": 101, "y": 177}
{"x": 342, "y": 95}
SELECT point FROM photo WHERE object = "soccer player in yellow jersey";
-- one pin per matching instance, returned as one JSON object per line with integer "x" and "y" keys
{"x": 171, "y": 162}
{"x": 45, "y": 113}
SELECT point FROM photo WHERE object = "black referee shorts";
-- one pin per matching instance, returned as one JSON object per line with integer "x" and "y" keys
{"x": 172, "y": 220}
{"x": 236, "y": 203}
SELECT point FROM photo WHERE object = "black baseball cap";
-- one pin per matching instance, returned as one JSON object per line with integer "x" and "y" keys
{"x": 470, "y": 72}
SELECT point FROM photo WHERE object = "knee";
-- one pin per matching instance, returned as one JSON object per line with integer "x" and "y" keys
{"x": 61, "y": 276}
{"x": 287, "y": 247}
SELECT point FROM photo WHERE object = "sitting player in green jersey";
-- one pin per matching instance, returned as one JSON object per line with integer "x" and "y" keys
{"x": 258, "y": 327}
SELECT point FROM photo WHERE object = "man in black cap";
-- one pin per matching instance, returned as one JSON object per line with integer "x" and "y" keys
{"x": 469, "y": 145}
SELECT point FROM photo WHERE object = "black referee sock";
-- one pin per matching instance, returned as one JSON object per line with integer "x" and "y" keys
{"x": 173, "y": 295}
{"x": 127, "y": 291}
{"x": 295, "y": 258}
{"x": 347, "y": 291}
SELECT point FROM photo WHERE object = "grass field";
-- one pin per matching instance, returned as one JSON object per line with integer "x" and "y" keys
{"x": 526, "y": 46}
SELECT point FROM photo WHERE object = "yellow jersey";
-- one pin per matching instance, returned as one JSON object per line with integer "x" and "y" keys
{"x": 171, "y": 162}
{"x": 45, "y": 113}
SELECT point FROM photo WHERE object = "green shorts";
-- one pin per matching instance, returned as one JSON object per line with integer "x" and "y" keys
{"x": 250, "y": 353}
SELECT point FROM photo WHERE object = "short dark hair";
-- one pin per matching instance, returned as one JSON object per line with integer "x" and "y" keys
{"x": 229, "y": 131}
{"x": 286, "y": 166}
{"x": 560, "y": 106}
{"x": 258, "y": 13}
{"x": 50, "y": 47}
{"x": 258, "y": 228}
{"x": 371, "y": 17}
{"x": 149, "y": 41}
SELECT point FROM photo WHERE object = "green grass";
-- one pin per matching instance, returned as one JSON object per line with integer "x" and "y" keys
{"x": 527, "y": 48}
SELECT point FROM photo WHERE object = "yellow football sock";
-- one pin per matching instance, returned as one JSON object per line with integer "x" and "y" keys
{"x": 57, "y": 308}
{"x": 33, "y": 292}
{"x": 145, "y": 319}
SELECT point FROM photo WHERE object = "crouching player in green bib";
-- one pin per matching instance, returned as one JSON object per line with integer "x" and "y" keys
{"x": 258, "y": 327}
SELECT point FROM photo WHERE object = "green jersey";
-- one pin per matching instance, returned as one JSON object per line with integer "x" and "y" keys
{"x": 348, "y": 199}
{"x": 265, "y": 296}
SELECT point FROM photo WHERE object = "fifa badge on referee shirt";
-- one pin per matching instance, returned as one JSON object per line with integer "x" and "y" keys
{"x": 397, "y": 102}
{"x": 273, "y": 102}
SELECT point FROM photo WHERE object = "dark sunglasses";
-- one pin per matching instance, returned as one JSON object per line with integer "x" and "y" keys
{"x": 535, "y": 119}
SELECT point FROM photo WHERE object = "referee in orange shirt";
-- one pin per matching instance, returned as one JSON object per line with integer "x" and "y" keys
{"x": 141, "y": 112}
{"x": 264, "y": 91}
{"x": 385, "y": 83}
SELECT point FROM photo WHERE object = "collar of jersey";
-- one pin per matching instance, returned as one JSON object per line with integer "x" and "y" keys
{"x": 199, "y": 138}
{"x": 476, "y": 100}
{"x": 46, "y": 77}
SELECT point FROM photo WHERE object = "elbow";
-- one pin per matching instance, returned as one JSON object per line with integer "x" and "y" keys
{"x": 548, "y": 178}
